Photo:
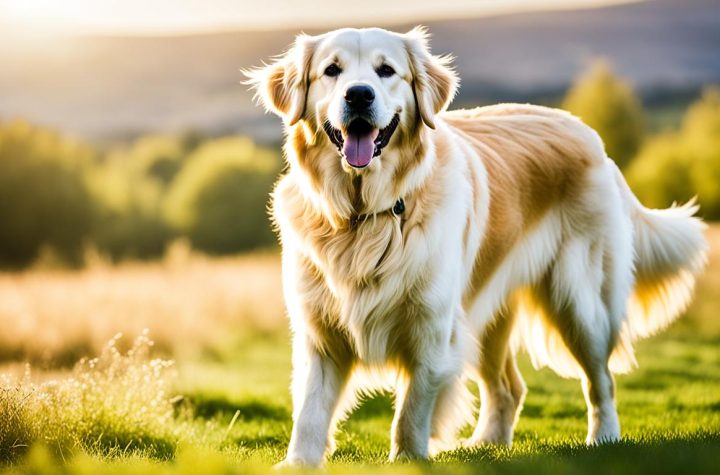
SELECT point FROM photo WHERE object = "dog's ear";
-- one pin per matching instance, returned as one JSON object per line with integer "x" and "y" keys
{"x": 281, "y": 86}
{"x": 434, "y": 80}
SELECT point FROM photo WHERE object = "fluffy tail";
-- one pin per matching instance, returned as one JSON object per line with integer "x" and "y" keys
{"x": 670, "y": 251}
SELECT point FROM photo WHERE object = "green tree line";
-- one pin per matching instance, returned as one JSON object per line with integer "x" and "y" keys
{"x": 131, "y": 201}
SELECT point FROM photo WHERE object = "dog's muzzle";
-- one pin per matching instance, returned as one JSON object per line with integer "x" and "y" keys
{"x": 361, "y": 142}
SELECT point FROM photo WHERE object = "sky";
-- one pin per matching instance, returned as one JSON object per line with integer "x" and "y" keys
{"x": 158, "y": 17}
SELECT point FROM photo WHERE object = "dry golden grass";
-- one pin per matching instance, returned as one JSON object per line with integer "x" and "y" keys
{"x": 187, "y": 301}
{"x": 114, "y": 404}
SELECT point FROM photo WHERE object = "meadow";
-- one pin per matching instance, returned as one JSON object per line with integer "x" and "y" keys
{"x": 198, "y": 381}
{"x": 142, "y": 325}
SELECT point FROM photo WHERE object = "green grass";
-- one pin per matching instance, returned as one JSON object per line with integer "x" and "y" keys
{"x": 669, "y": 409}
{"x": 227, "y": 409}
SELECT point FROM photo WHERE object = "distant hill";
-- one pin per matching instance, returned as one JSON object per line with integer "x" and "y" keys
{"x": 102, "y": 87}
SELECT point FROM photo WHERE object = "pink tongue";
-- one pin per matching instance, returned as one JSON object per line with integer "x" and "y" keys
{"x": 359, "y": 149}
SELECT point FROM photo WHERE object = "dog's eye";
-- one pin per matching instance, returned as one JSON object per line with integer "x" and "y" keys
{"x": 385, "y": 71}
{"x": 332, "y": 70}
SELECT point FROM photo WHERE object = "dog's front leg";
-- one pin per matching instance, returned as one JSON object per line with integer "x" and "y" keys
{"x": 318, "y": 382}
{"x": 415, "y": 399}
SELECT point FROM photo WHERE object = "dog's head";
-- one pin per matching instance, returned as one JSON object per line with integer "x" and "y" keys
{"x": 362, "y": 88}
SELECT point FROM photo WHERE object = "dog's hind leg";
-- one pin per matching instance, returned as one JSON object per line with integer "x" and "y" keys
{"x": 574, "y": 296}
{"x": 502, "y": 389}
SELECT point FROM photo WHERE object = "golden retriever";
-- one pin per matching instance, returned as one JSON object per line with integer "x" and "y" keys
{"x": 421, "y": 246}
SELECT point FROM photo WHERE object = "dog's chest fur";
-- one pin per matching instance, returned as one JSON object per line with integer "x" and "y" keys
{"x": 360, "y": 283}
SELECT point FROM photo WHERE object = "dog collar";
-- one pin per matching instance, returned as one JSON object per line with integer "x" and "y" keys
{"x": 397, "y": 209}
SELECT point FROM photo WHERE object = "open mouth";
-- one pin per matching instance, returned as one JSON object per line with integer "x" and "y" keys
{"x": 361, "y": 141}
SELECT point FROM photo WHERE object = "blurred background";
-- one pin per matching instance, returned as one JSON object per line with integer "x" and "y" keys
{"x": 124, "y": 127}
{"x": 126, "y": 137}
{"x": 134, "y": 180}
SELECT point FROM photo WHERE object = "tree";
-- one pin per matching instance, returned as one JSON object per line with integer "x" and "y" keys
{"x": 219, "y": 198}
{"x": 44, "y": 200}
{"x": 673, "y": 167}
{"x": 128, "y": 186}
{"x": 608, "y": 104}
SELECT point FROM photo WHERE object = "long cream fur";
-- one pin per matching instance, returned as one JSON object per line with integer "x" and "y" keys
{"x": 518, "y": 232}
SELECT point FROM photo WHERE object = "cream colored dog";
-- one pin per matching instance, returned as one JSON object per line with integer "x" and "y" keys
{"x": 428, "y": 245}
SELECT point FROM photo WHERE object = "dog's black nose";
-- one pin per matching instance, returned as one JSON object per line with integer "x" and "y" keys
{"x": 360, "y": 96}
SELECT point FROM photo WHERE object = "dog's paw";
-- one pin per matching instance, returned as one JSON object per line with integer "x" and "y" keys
{"x": 402, "y": 455}
{"x": 294, "y": 462}
{"x": 496, "y": 436}
{"x": 438, "y": 445}
{"x": 605, "y": 429}
{"x": 286, "y": 463}
{"x": 599, "y": 439}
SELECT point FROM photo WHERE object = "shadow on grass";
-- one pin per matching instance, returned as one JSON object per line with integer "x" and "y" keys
{"x": 208, "y": 406}
{"x": 120, "y": 444}
{"x": 261, "y": 441}
{"x": 673, "y": 376}
{"x": 540, "y": 411}
{"x": 679, "y": 453}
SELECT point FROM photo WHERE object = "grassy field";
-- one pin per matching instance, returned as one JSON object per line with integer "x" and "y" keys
{"x": 210, "y": 396}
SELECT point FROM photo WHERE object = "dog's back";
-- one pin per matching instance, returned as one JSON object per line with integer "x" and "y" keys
{"x": 536, "y": 159}
{"x": 541, "y": 161}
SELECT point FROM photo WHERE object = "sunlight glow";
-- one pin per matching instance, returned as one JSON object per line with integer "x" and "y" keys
{"x": 187, "y": 16}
